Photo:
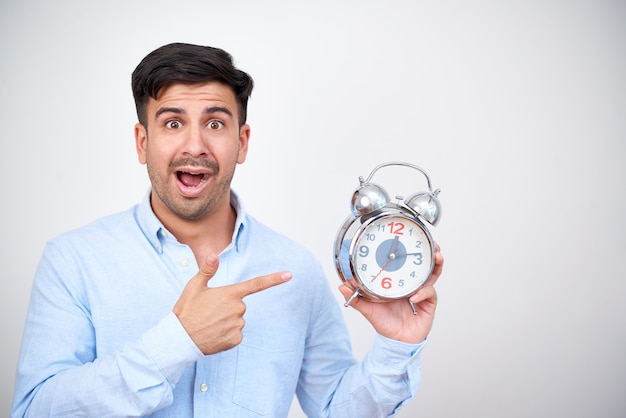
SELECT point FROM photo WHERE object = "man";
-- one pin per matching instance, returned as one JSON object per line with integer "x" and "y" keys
{"x": 143, "y": 313}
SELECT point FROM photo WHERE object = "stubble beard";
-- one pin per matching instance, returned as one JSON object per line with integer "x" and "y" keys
{"x": 191, "y": 209}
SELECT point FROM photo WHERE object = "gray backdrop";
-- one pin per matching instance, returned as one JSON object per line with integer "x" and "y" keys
{"x": 516, "y": 109}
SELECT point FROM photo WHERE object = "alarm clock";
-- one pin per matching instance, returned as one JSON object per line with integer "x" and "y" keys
{"x": 383, "y": 250}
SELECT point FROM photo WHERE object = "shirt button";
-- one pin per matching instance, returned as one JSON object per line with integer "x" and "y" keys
{"x": 185, "y": 262}
{"x": 204, "y": 387}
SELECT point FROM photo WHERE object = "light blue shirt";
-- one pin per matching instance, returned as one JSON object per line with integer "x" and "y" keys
{"x": 101, "y": 340}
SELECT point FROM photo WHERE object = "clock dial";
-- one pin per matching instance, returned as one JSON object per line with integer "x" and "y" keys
{"x": 392, "y": 256}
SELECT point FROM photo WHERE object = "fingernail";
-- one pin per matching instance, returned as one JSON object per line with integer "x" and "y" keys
{"x": 286, "y": 276}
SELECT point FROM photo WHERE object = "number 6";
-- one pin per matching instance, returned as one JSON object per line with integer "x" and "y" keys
{"x": 386, "y": 283}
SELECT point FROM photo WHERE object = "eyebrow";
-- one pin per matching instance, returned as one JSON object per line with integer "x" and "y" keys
{"x": 181, "y": 111}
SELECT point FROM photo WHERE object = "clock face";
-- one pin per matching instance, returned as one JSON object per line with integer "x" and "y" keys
{"x": 392, "y": 256}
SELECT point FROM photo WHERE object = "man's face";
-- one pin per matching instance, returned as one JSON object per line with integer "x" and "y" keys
{"x": 191, "y": 146}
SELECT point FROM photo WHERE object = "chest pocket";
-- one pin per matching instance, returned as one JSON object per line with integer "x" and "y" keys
{"x": 268, "y": 366}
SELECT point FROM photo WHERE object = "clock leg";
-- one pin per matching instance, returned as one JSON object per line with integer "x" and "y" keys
{"x": 412, "y": 307}
{"x": 356, "y": 293}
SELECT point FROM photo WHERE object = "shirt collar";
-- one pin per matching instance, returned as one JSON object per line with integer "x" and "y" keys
{"x": 155, "y": 232}
{"x": 241, "y": 222}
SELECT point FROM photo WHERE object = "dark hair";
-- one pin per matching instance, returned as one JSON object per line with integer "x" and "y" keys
{"x": 188, "y": 64}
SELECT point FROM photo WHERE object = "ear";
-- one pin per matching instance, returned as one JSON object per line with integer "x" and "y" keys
{"x": 244, "y": 137}
{"x": 141, "y": 142}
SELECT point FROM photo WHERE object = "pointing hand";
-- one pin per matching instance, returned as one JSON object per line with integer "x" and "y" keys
{"x": 213, "y": 317}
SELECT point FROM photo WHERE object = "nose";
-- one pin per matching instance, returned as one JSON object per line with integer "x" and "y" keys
{"x": 196, "y": 143}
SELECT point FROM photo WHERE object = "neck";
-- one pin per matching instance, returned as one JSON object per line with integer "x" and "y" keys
{"x": 210, "y": 234}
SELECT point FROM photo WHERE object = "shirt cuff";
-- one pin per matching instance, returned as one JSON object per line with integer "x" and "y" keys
{"x": 396, "y": 354}
{"x": 170, "y": 347}
{"x": 398, "y": 361}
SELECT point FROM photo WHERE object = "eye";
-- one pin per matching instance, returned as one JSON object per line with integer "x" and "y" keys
{"x": 215, "y": 124}
{"x": 173, "y": 124}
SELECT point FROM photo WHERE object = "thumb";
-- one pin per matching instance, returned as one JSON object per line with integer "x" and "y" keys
{"x": 207, "y": 270}
{"x": 196, "y": 284}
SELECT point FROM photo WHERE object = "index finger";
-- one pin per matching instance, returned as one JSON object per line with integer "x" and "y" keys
{"x": 261, "y": 283}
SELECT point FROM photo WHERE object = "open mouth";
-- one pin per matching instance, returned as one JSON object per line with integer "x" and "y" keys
{"x": 191, "y": 180}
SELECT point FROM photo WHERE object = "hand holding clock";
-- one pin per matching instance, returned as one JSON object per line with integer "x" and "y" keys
{"x": 395, "y": 319}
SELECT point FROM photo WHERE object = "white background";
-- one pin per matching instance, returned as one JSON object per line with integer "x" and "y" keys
{"x": 517, "y": 110}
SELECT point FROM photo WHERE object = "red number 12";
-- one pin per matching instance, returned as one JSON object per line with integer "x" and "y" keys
{"x": 396, "y": 228}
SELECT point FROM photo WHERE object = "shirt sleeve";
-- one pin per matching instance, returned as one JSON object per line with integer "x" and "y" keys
{"x": 387, "y": 378}
{"x": 59, "y": 372}
{"x": 333, "y": 384}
